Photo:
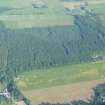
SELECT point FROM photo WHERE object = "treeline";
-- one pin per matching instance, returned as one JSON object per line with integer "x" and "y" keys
{"x": 97, "y": 99}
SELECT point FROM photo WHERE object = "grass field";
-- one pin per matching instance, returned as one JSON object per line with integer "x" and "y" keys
{"x": 23, "y": 15}
{"x": 61, "y": 84}
{"x": 61, "y": 75}
{"x": 15, "y": 21}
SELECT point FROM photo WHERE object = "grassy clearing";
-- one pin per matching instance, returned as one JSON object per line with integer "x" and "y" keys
{"x": 61, "y": 75}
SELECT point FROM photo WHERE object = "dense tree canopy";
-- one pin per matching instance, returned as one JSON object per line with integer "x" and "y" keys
{"x": 26, "y": 49}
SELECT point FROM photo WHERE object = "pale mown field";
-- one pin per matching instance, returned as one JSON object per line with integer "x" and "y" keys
{"x": 17, "y": 21}
{"x": 62, "y": 94}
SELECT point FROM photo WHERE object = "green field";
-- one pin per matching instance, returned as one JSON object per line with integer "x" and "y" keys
{"x": 16, "y": 21}
{"x": 61, "y": 75}
{"x": 23, "y": 15}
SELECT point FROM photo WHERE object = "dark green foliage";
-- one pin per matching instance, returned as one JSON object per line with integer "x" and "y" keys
{"x": 55, "y": 104}
{"x": 25, "y": 49}
{"x": 18, "y": 96}
{"x": 80, "y": 102}
{"x": 13, "y": 91}
{"x": 99, "y": 95}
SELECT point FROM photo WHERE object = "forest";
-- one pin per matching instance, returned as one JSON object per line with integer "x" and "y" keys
{"x": 23, "y": 50}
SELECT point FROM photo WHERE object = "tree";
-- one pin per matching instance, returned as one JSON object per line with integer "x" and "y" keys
{"x": 99, "y": 95}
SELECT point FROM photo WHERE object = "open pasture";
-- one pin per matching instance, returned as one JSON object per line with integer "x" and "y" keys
{"x": 62, "y": 84}
{"x": 43, "y": 13}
